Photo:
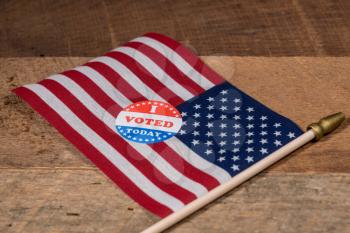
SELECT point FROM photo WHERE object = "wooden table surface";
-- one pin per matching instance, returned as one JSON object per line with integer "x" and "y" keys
{"x": 292, "y": 55}
{"x": 46, "y": 185}
{"x": 225, "y": 27}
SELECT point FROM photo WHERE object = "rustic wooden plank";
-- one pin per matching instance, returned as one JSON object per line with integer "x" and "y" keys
{"x": 295, "y": 87}
{"x": 65, "y": 201}
{"x": 253, "y": 27}
{"x": 85, "y": 201}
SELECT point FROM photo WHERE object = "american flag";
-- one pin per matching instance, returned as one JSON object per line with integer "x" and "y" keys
{"x": 220, "y": 130}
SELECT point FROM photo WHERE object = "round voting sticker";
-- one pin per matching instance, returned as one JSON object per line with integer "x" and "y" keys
{"x": 148, "y": 121}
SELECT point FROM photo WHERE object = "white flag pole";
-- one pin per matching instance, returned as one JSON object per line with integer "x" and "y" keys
{"x": 316, "y": 131}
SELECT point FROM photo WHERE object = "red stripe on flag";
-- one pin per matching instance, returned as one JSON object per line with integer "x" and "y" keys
{"x": 191, "y": 58}
{"x": 147, "y": 78}
{"x": 168, "y": 67}
{"x": 119, "y": 144}
{"x": 94, "y": 91}
{"x": 118, "y": 82}
{"x": 184, "y": 167}
{"x": 92, "y": 153}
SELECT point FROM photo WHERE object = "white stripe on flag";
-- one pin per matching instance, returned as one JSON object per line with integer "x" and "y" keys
{"x": 181, "y": 149}
{"x": 177, "y": 60}
{"x": 129, "y": 77}
{"x": 152, "y": 156}
{"x": 102, "y": 83}
{"x": 197, "y": 161}
{"x": 106, "y": 149}
{"x": 156, "y": 71}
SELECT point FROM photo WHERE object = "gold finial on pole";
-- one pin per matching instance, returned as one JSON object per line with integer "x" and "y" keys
{"x": 326, "y": 125}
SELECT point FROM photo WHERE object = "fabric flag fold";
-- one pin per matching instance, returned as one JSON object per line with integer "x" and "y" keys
{"x": 159, "y": 122}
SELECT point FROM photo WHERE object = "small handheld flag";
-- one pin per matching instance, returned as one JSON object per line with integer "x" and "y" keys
{"x": 166, "y": 128}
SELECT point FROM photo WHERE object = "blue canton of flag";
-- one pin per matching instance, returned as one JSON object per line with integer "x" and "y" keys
{"x": 232, "y": 130}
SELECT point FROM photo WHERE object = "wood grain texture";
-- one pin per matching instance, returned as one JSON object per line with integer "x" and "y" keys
{"x": 227, "y": 27}
{"x": 41, "y": 201}
{"x": 46, "y": 185}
